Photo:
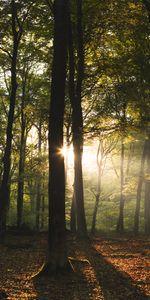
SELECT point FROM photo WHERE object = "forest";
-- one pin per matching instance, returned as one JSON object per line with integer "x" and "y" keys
{"x": 74, "y": 149}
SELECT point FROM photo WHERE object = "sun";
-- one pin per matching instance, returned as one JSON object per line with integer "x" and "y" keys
{"x": 63, "y": 151}
{"x": 68, "y": 154}
{"x": 88, "y": 158}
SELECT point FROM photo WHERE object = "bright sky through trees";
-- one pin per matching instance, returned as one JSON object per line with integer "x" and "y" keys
{"x": 89, "y": 157}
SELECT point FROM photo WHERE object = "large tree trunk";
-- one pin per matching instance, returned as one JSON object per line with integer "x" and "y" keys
{"x": 57, "y": 256}
{"x": 77, "y": 119}
{"x": 147, "y": 190}
{"x": 5, "y": 186}
{"x": 120, "y": 223}
{"x": 57, "y": 227}
{"x": 139, "y": 191}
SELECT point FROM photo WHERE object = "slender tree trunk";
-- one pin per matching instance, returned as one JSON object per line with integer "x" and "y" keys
{"x": 5, "y": 186}
{"x": 72, "y": 99}
{"x": 130, "y": 155}
{"x": 43, "y": 193}
{"x": 120, "y": 224}
{"x": 78, "y": 130}
{"x": 21, "y": 162}
{"x": 38, "y": 205}
{"x": 99, "y": 179}
{"x": 38, "y": 190}
{"x": 147, "y": 189}
{"x": 32, "y": 192}
{"x": 139, "y": 191}
{"x": 77, "y": 119}
{"x": 67, "y": 148}
{"x": 73, "y": 219}
{"x": 42, "y": 208}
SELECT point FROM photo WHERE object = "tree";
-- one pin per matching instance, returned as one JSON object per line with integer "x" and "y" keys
{"x": 75, "y": 93}
{"x": 105, "y": 147}
{"x": 22, "y": 153}
{"x": 57, "y": 256}
{"x": 5, "y": 187}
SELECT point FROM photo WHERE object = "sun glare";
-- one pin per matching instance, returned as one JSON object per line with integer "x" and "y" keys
{"x": 88, "y": 155}
{"x": 68, "y": 154}
{"x": 63, "y": 151}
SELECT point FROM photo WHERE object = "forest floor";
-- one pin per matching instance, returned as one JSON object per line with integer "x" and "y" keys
{"x": 111, "y": 269}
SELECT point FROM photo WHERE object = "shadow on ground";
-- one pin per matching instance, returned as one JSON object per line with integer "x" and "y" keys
{"x": 95, "y": 281}
{"x": 114, "y": 283}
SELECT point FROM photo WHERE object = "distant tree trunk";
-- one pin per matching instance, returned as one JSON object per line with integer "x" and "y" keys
{"x": 43, "y": 193}
{"x": 5, "y": 186}
{"x": 73, "y": 219}
{"x": 120, "y": 223}
{"x": 32, "y": 192}
{"x": 99, "y": 179}
{"x": 139, "y": 191}
{"x": 38, "y": 189}
{"x": 130, "y": 156}
{"x": 147, "y": 189}
{"x": 21, "y": 161}
{"x": 77, "y": 118}
{"x": 43, "y": 209}
{"x": 57, "y": 256}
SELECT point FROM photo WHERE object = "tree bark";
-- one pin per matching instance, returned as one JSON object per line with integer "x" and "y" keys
{"x": 57, "y": 256}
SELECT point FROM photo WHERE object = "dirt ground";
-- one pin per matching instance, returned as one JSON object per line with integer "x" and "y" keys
{"x": 112, "y": 268}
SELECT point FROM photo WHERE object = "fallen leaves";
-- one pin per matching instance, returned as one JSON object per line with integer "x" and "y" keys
{"x": 104, "y": 269}
{"x": 130, "y": 257}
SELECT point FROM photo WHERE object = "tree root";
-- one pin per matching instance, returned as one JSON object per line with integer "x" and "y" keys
{"x": 82, "y": 260}
{"x": 48, "y": 270}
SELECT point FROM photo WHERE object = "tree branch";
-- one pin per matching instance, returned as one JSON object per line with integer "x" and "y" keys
{"x": 6, "y": 51}
{"x": 20, "y": 24}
